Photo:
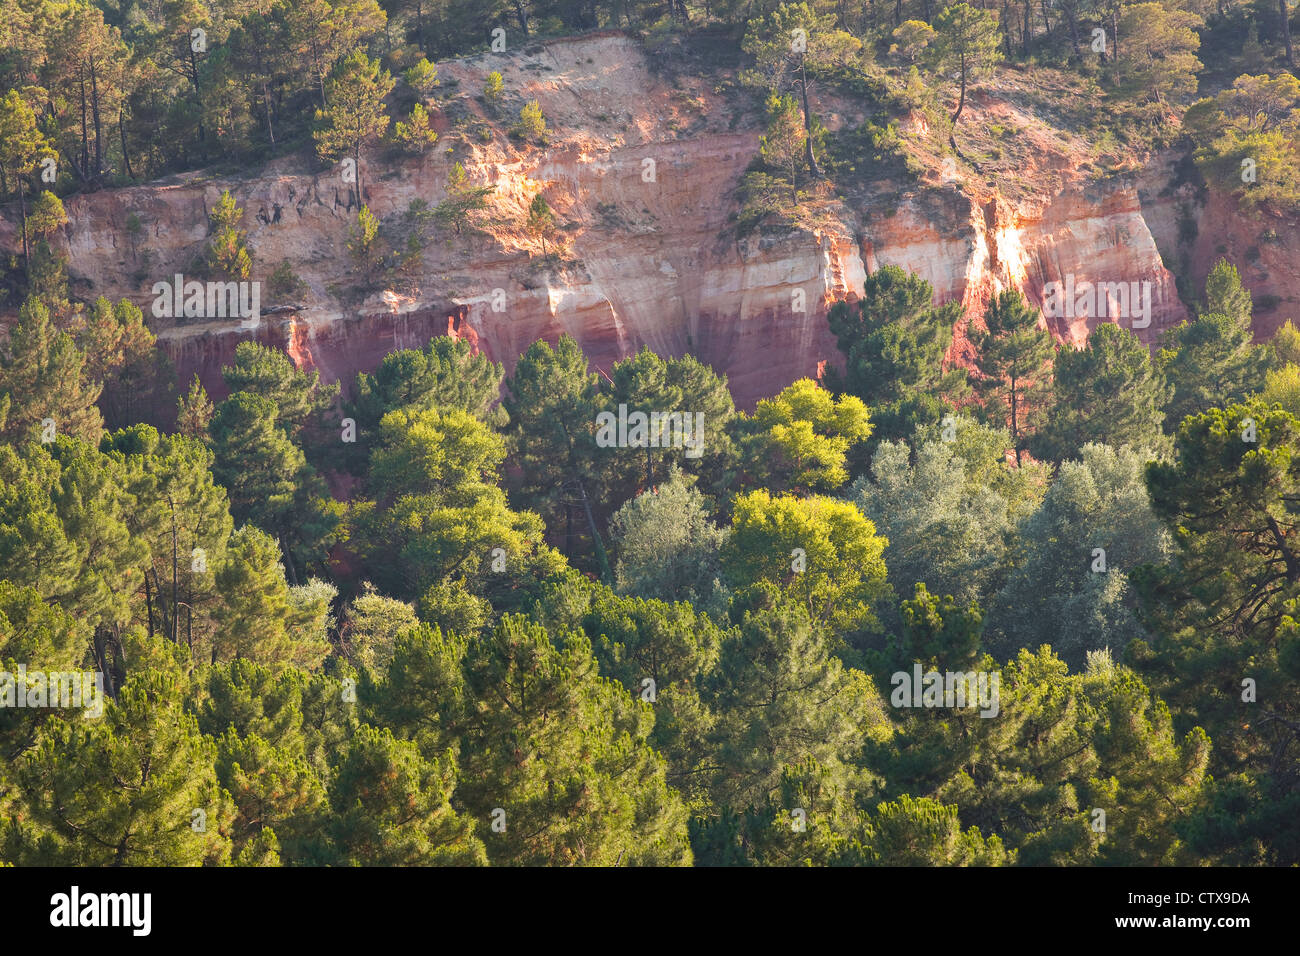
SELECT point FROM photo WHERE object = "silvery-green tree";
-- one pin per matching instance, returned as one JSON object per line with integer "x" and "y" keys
{"x": 948, "y": 526}
{"x": 666, "y": 544}
{"x": 1069, "y": 586}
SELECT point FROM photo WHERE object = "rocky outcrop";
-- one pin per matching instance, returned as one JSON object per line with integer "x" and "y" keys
{"x": 642, "y": 175}
{"x": 1195, "y": 224}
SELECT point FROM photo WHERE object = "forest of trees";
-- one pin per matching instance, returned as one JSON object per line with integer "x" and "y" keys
{"x": 126, "y": 92}
{"x": 431, "y": 619}
{"x": 514, "y": 645}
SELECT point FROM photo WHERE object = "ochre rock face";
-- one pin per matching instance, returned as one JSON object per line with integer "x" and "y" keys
{"x": 1200, "y": 228}
{"x": 642, "y": 178}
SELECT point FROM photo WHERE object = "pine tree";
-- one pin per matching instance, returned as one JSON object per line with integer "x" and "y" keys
{"x": 532, "y": 125}
{"x": 194, "y": 412}
{"x": 1015, "y": 355}
{"x": 641, "y": 384}
{"x": 462, "y": 202}
{"x": 447, "y": 373}
{"x": 363, "y": 245}
{"x": 301, "y": 400}
{"x": 966, "y": 41}
{"x": 784, "y": 44}
{"x": 552, "y": 401}
{"x": 44, "y": 375}
{"x": 254, "y": 618}
{"x": 663, "y": 653}
{"x": 22, "y": 147}
{"x": 183, "y": 517}
{"x": 782, "y": 697}
{"x": 422, "y": 77}
{"x": 941, "y": 633}
{"x": 391, "y": 806}
{"x": 64, "y": 530}
{"x": 492, "y": 88}
{"x": 1106, "y": 393}
{"x": 120, "y": 352}
{"x": 1212, "y": 360}
{"x": 1225, "y": 295}
{"x": 416, "y": 135}
{"x": 124, "y": 790}
{"x": 256, "y": 461}
{"x": 274, "y": 792}
{"x": 565, "y": 755}
{"x": 355, "y": 114}
{"x": 438, "y": 510}
{"x": 894, "y": 344}
{"x": 1225, "y": 611}
{"x": 227, "y": 254}
{"x": 783, "y": 146}
{"x": 541, "y": 221}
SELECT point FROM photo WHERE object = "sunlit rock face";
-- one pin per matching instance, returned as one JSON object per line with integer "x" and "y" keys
{"x": 641, "y": 175}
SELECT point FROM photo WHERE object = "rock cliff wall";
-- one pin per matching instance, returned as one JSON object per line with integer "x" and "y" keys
{"x": 641, "y": 173}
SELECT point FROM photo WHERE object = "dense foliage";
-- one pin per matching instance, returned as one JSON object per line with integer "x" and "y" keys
{"x": 441, "y": 617}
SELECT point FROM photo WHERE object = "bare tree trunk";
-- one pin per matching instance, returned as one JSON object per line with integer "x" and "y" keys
{"x": 126, "y": 156}
{"x": 356, "y": 169}
{"x": 104, "y": 661}
{"x": 320, "y": 74}
{"x": 521, "y": 14}
{"x": 1072, "y": 19}
{"x": 266, "y": 97}
{"x": 1015, "y": 427}
{"x": 148, "y": 603}
{"x": 1286, "y": 33}
{"x": 198, "y": 103}
{"x": 99, "y": 130}
{"x": 164, "y": 621}
{"x": 85, "y": 145}
{"x": 22, "y": 205}
{"x": 175, "y": 632}
{"x": 601, "y": 560}
{"x": 288, "y": 563}
{"x": 961, "y": 103}
{"x": 813, "y": 169}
